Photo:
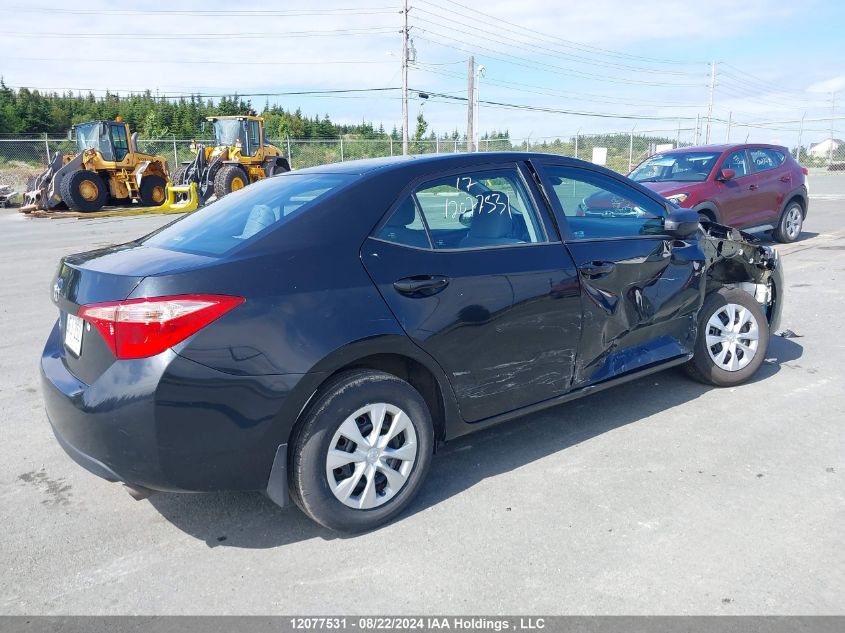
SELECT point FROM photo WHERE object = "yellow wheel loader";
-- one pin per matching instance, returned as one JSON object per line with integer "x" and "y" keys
{"x": 107, "y": 169}
{"x": 238, "y": 156}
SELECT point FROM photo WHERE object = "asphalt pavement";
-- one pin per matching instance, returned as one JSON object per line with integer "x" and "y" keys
{"x": 661, "y": 496}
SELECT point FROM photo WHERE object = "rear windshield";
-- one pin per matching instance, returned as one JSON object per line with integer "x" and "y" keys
{"x": 245, "y": 215}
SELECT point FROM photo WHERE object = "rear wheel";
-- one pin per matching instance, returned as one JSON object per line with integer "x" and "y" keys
{"x": 362, "y": 451}
{"x": 228, "y": 179}
{"x": 732, "y": 339}
{"x": 791, "y": 223}
{"x": 84, "y": 191}
{"x": 153, "y": 191}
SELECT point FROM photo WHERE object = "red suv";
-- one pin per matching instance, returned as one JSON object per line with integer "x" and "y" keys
{"x": 749, "y": 186}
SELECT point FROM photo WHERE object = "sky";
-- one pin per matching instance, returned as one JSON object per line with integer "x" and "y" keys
{"x": 552, "y": 68}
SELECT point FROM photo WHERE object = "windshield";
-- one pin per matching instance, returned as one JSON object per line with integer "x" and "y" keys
{"x": 226, "y": 132}
{"x": 247, "y": 214}
{"x": 677, "y": 167}
{"x": 94, "y": 135}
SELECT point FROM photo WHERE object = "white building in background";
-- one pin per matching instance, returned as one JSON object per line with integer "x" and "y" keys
{"x": 823, "y": 149}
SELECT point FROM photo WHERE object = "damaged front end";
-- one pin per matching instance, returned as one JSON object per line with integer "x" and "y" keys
{"x": 736, "y": 258}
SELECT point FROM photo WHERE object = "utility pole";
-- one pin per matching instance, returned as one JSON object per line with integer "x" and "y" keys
{"x": 470, "y": 104}
{"x": 800, "y": 134}
{"x": 405, "y": 80}
{"x": 832, "y": 119}
{"x": 710, "y": 104}
{"x": 728, "y": 135}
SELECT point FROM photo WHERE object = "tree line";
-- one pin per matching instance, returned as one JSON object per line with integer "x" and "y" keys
{"x": 25, "y": 111}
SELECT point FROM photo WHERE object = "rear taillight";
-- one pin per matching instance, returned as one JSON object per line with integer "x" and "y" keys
{"x": 138, "y": 328}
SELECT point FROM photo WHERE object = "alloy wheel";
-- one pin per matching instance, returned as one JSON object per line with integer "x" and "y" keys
{"x": 732, "y": 337}
{"x": 793, "y": 222}
{"x": 371, "y": 456}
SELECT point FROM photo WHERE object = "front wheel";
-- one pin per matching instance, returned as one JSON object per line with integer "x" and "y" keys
{"x": 153, "y": 191}
{"x": 361, "y": 452}
{"x": 732, "y": 339}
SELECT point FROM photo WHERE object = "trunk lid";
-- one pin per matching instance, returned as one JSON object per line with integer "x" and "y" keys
{"x": 108, "y": 274}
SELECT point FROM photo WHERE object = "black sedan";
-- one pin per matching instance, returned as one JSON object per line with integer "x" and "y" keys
{"x": 317, "y": 334}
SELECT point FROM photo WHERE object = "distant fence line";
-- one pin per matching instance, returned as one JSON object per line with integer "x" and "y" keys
{"x": 24, "y": 157}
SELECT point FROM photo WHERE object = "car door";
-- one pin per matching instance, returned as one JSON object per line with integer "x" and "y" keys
{"x": 739, "y": 202}
{"x": 474, "y": 271}
{"x": 641, "y": 289}
{"x": 774, "y": 181}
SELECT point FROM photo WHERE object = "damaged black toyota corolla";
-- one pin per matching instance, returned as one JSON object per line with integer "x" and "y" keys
{"x": 316, "y": 334}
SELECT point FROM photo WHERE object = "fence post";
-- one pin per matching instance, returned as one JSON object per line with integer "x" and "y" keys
{"x": 175, "y": 155}
{"x": 631, "y": 149}
{"x": 47, "y": 148}
{"x": 341, "y": 149}
{"x": 437, "y": 146}
{"x": 456, "y": 146}
{"x": 577, "y": 134}
{"x": 678, "y": 137}
{"x": 391, "y": 145}
{"x": 290, "y": 159}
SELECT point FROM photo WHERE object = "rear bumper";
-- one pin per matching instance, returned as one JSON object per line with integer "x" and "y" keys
{"x": 169, "y": 423}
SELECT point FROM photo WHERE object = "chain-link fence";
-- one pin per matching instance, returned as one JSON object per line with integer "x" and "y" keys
{"x": 23, "y": 158}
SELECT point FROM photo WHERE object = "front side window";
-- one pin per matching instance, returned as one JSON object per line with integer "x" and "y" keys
{"x": 479, "y": 210}
{"x": 247, "y": 214}
{"x": 738, "y": 162}
{"x": 599, "y": 207}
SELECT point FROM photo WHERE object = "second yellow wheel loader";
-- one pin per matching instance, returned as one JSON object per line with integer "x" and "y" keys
{"x": 239, "y": 155}
{"x": 107, "y": 169}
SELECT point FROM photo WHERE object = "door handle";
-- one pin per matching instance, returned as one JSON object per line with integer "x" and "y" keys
{"x": 752, "y": 187}
{"x": 785, "y": 178}
{"x": 421, "y": 285}
{"x": 592, "y": 270}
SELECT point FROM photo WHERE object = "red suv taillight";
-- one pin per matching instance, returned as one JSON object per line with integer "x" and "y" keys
{"x": 138, "y": 328}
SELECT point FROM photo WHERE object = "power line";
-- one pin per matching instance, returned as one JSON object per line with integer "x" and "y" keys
{"x": 207, "y": 36}
{"x": 216, "y": 13}
{"x": 576, "y": 96}
{"x": 202, "y": 61}
{"x": 498, "y": 37}
{"x": 502, "y": 24}
{"x": 541, "y": 66}
{"x": 331, "y": 92}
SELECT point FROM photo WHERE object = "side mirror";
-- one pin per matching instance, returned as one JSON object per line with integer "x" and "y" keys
{"x": 681, "y": 223}
{"x": 726, "y": 174}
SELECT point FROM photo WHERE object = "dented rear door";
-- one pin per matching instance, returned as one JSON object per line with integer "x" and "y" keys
{"x": 640, "y": 289}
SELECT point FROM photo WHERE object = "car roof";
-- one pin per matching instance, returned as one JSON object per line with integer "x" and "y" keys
{"x": 444, "y": 161}
{"x": 720, "y": 147}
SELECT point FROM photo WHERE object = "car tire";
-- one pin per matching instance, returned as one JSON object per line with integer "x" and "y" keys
{"x": 791, "y": 223}
{"x": 153, "y": 191}
{"x": 228, "y": 179}
{"x": 360, "y": 494}
{"x": 726, "y": 350}
{"x": 84, "y": 190}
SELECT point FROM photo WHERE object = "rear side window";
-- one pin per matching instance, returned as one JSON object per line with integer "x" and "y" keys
{"x": 245, "y": 215}
{"x": 764, "y": 159}
{"x": 479, "y": 210}
{"x": 405, "y": 226}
